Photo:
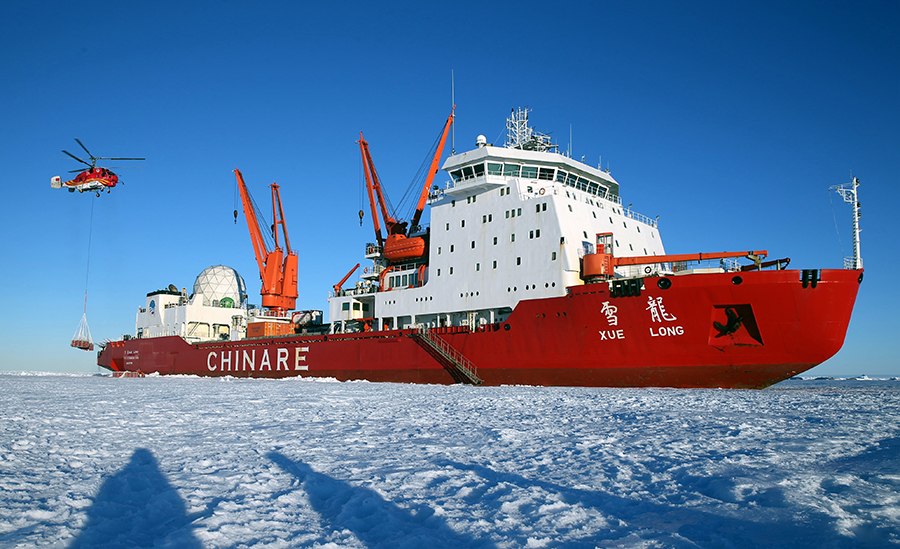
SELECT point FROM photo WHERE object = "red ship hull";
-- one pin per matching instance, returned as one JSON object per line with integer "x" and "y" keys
{"x": 729, "y": 330}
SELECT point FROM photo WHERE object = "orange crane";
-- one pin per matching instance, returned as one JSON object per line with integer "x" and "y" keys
{"x": 601, "y": 265}
{"x": 399, "y": 245}
{"x": 277, "y": 267}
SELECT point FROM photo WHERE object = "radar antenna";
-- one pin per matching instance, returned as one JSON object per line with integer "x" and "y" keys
{"x": 520, "y": 136}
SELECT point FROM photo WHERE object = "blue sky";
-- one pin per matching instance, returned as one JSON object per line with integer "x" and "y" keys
{"x": 730, "y": 122}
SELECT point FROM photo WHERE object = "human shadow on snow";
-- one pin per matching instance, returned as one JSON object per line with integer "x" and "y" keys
{"x": 375, "y": 521}
{"x": 137, "y": 507}
{"x": 677, "y": 525}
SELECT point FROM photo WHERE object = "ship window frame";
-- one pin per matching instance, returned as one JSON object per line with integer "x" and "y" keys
{"x": 456, "y": 175}
{"x": 192, "y": 332}
{"x": 479, "y": 169}
{"x": 552, "y": 256}
{"x": 546, "y": 173}
{"x": 468, "y": 172}
{"x": 495, "y": 168}
{"x": 511, "y": 170}
{"x": 529, "y": 172}
{"x": 561, "y": 176}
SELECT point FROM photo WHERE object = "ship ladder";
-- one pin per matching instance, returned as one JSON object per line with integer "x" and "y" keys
{"x": 459, "y": 367}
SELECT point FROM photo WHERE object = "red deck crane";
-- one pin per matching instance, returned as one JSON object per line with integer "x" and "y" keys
{"x": 277, "y": 267}
{"x": 400, "y": 245}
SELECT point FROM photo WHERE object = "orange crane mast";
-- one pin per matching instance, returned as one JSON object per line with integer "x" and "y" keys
{"x": 400, "y": 244}
{"x": 277, "y": 267}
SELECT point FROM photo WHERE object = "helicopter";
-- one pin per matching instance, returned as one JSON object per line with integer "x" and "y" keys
{"x": 93, "y": 179}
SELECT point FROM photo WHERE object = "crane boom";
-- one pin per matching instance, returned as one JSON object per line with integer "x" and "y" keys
{"x": 277, "y": 269}
{"x": 432, "y": 171}
{"x": 367, "y": 158}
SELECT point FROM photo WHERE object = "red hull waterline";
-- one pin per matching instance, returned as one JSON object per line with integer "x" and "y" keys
{"x": 673, "y": 337}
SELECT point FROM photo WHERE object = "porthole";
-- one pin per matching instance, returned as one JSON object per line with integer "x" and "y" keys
{"x": 664, "y": 283}
{"x": 736, "y": 280}
{"x": 506, "y": 327}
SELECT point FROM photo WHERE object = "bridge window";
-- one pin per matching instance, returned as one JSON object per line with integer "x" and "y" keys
{"x": 529, "y": 172}
{"x": 561, "y": 176}
{"x": 511, "y": 170}
{"x": 545, "y": 174}
{"x": 479, "y": 170}
{"x": 495, "y": 168}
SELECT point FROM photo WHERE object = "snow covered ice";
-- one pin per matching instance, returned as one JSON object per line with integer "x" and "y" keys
{"x": 87, "y": 461}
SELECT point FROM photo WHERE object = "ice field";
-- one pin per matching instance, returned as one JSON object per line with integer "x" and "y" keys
{"x": 88, "y": 461}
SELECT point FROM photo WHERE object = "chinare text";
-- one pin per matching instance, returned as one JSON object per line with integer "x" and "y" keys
{"x": 244, "y": 360}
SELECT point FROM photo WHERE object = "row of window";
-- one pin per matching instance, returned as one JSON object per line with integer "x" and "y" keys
{"x": 489, "y": 218}
{"x": 540, "y": 173}
{"x": 534, "y": 233}
{"x": 357, "y": 306}
{"x": 494, "y": 264}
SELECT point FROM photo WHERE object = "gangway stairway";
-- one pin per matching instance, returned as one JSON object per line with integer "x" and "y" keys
{"x": 459, "y": 367}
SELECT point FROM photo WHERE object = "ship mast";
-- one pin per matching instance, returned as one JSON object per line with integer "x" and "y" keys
{"x": 849, "y": 192}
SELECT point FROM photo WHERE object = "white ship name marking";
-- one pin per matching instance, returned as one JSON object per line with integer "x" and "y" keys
{"x": 243, "y": 360}
{"x": 667, "y": 331}
{"x": 606, "y": 335}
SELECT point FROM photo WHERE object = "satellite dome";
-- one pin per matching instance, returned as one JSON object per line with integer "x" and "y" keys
{"x": 481, "y": 141}
{"x": 221, "y": 284}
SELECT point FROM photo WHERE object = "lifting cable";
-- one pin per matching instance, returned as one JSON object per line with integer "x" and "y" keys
{"x": 82, "y": 338}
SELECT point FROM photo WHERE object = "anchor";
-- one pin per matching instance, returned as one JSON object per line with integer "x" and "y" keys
{"x": 731, "y": 326}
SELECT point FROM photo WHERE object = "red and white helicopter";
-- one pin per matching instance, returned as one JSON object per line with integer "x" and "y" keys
{"x": 92, "y": 179}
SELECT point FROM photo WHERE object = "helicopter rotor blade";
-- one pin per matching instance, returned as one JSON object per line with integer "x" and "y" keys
{"x": 85, "y": 148}
{"x": 117, "y": 158}
{"x": 78, "y": 159}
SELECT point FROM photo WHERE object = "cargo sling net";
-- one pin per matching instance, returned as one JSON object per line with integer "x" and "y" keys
{"x": 82, "y": 338}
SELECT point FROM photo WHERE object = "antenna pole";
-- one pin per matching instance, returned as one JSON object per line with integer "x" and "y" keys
{"x": 849, "y": 192}
{"x": 453, "y": 102}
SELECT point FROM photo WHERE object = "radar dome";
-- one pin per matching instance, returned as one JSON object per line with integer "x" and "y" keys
{"x": 221, "y": 284}
{"x": 481, "y": 141}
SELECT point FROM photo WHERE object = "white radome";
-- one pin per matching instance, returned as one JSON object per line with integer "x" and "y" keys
{"x": 220, "y": 282}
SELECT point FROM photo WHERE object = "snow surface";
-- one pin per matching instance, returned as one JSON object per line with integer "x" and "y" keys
{"x": 88, "y": 461}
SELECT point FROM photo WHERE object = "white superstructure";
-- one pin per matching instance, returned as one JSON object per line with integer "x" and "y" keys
{"x": 216, "y": 310}
{"x": 512, "y": 223}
